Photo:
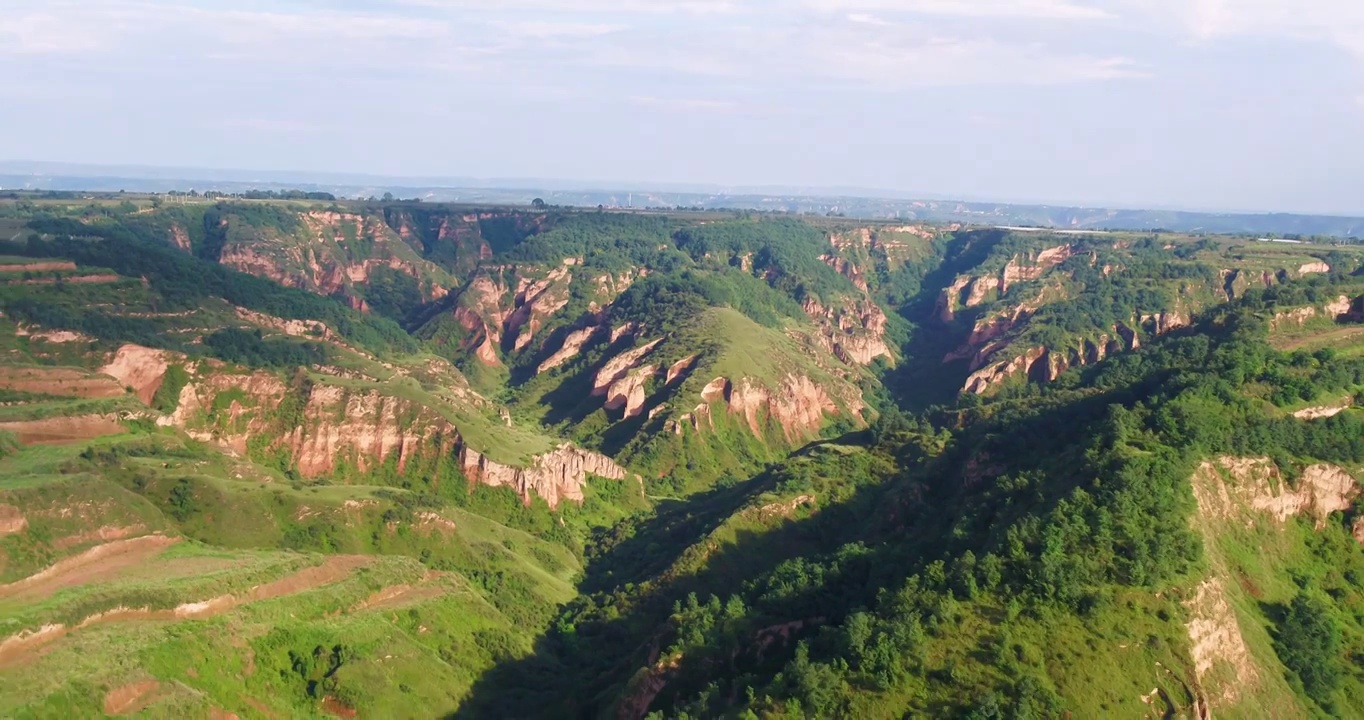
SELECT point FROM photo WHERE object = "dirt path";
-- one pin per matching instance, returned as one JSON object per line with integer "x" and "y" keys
{"x": 63, "y": 430}
{"x": 398, "y": 595}
{"x": 67, "y": 382}
{"x": 130, "y": 698}
{"x": 333, "y": 569}
{"x": 24, "y": 645}
{"x": 98, "y": 563}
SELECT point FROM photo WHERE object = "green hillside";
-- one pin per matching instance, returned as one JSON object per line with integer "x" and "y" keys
{"x": 300, "y": 458}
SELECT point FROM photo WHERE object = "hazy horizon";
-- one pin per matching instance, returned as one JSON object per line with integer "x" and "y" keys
{"x": 1111, "y": 103}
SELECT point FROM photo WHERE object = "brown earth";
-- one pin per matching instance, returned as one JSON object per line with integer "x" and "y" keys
{"x": 130, "y": 698}
{"x": 12, "y": 520}
{"x": 78, "y": 279}
{"x": 140, "y": 368}
{"x": 66, "y": 382}
{"x": 22, "y": 645}
{"x": 334, "y": 569}
{"x": 63, "y": 430}
{"x": 400, "y": 595}
{"x": 336, "y": 708}
{"x": 98, "y": 563}
{"x": 37, "y": 267}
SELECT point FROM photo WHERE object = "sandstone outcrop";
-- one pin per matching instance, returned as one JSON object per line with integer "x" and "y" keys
{"x": 140, "y": 368}
{"x": 628, "y": 392}
{"x": 679, "y": 369}
{"x": 1164, "y": 322}
{"x": 989, "y": 377}
{"x": 797, "y": 405}
{"x": 179, "y": 238}
{"x": 363, "y": 429}
{"x": 1228, "y": 487}
{"x": 854, "y": 331}
{"x": 618, "y": 366}
{"x": 536, "y": 301}
{"x": 1337, "y": 308}
{"x": 573, "y": 344}
{"x": 1032, "y": 267}
{"x": 555, "y": 476}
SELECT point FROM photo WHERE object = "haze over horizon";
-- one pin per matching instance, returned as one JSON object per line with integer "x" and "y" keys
{"x": 1133, "y": 103}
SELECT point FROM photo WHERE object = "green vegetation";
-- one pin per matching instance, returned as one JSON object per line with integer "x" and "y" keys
{"x": 822, "y": 536}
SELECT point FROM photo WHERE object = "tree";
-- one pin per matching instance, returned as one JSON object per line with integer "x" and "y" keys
{"x": 538, "y": 203}
{"x": 1308, "y": 643}
{"x": 388, "y": 197}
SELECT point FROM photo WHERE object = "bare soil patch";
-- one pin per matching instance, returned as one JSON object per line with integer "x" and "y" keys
{"x": 66, "y": 382}
{"x": 63, "y": 430}
{"x": 37, "y": 267}
{"x": 140, "y": 368}
{"x": 98, "y": 563}
{"x": 333, "y": 569}
{"x": 399, "y": 595}
{"x": 12, "y": 520}
{"x": 130, "y": 698}
{"x": 336, "y": 708}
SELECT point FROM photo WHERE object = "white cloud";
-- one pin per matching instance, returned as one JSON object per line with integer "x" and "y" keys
{"x": 1338, "y": 22}
{"x": 572, "y": 7}
{"x": 685, "y": 104}
{"x": 268, "y": 125}
{"x": 868, "y": 19}
{"x": 1033, "y": 9}
{"x": 541, "y": 30}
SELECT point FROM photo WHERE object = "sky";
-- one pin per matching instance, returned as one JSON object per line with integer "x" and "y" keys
{"x": 1251, "y": 105}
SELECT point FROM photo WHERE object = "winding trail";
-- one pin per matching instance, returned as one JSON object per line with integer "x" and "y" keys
{"x": 26, "y": 644}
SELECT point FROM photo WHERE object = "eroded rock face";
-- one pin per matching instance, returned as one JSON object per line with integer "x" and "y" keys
{"x": 853, "y": 331}
{"x": 988, "y": 378}
{"x": 1314, "y": 268}
{"x": 628, "y": 392}
{"x": 555, "y": 476}
{"x": 312, "y": 260}
{"x": 847, "y": 269}
{"x": 361, "y": 427}
{"x": 717, "y": 389}
{"x": 1032, "y": 268}
{"x": 1128, "y": 335}
{"x": 797, "y": 405}
{"x": 180, "y": 239}
{"x": 480, "y": 312}
{"x": 140, "y": 368}
{"x": 617, "y": 367}
{"x": 950, "y": 298}
{"x": 536, "y": 301}
{"x": 364, "y": 429}
{"x": 573, "y": 344}
{"x": 1228, "y": 487}
{"x": 1164, "y": 322}
{"x": 1214, "y": 638}
{"x": 1297, "y": 316}
{"x": 680, "y": 369}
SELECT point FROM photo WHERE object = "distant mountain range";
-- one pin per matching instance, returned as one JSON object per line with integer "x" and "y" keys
{"x": 852, "y": 202}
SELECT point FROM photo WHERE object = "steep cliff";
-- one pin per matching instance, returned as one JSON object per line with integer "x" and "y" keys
{"x": 330, "y": 253}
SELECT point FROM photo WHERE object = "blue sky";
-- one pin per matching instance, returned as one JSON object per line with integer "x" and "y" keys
{"x": 1206, "y": 104}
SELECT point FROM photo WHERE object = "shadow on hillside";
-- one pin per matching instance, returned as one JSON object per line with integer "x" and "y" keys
{"x": 582, "y": 660}
{"x": 889, "y": 523}
{"x": 922, "y": 380}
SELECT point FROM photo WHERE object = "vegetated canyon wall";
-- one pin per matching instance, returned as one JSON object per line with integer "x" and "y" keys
{"x": 320, "y": 426}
